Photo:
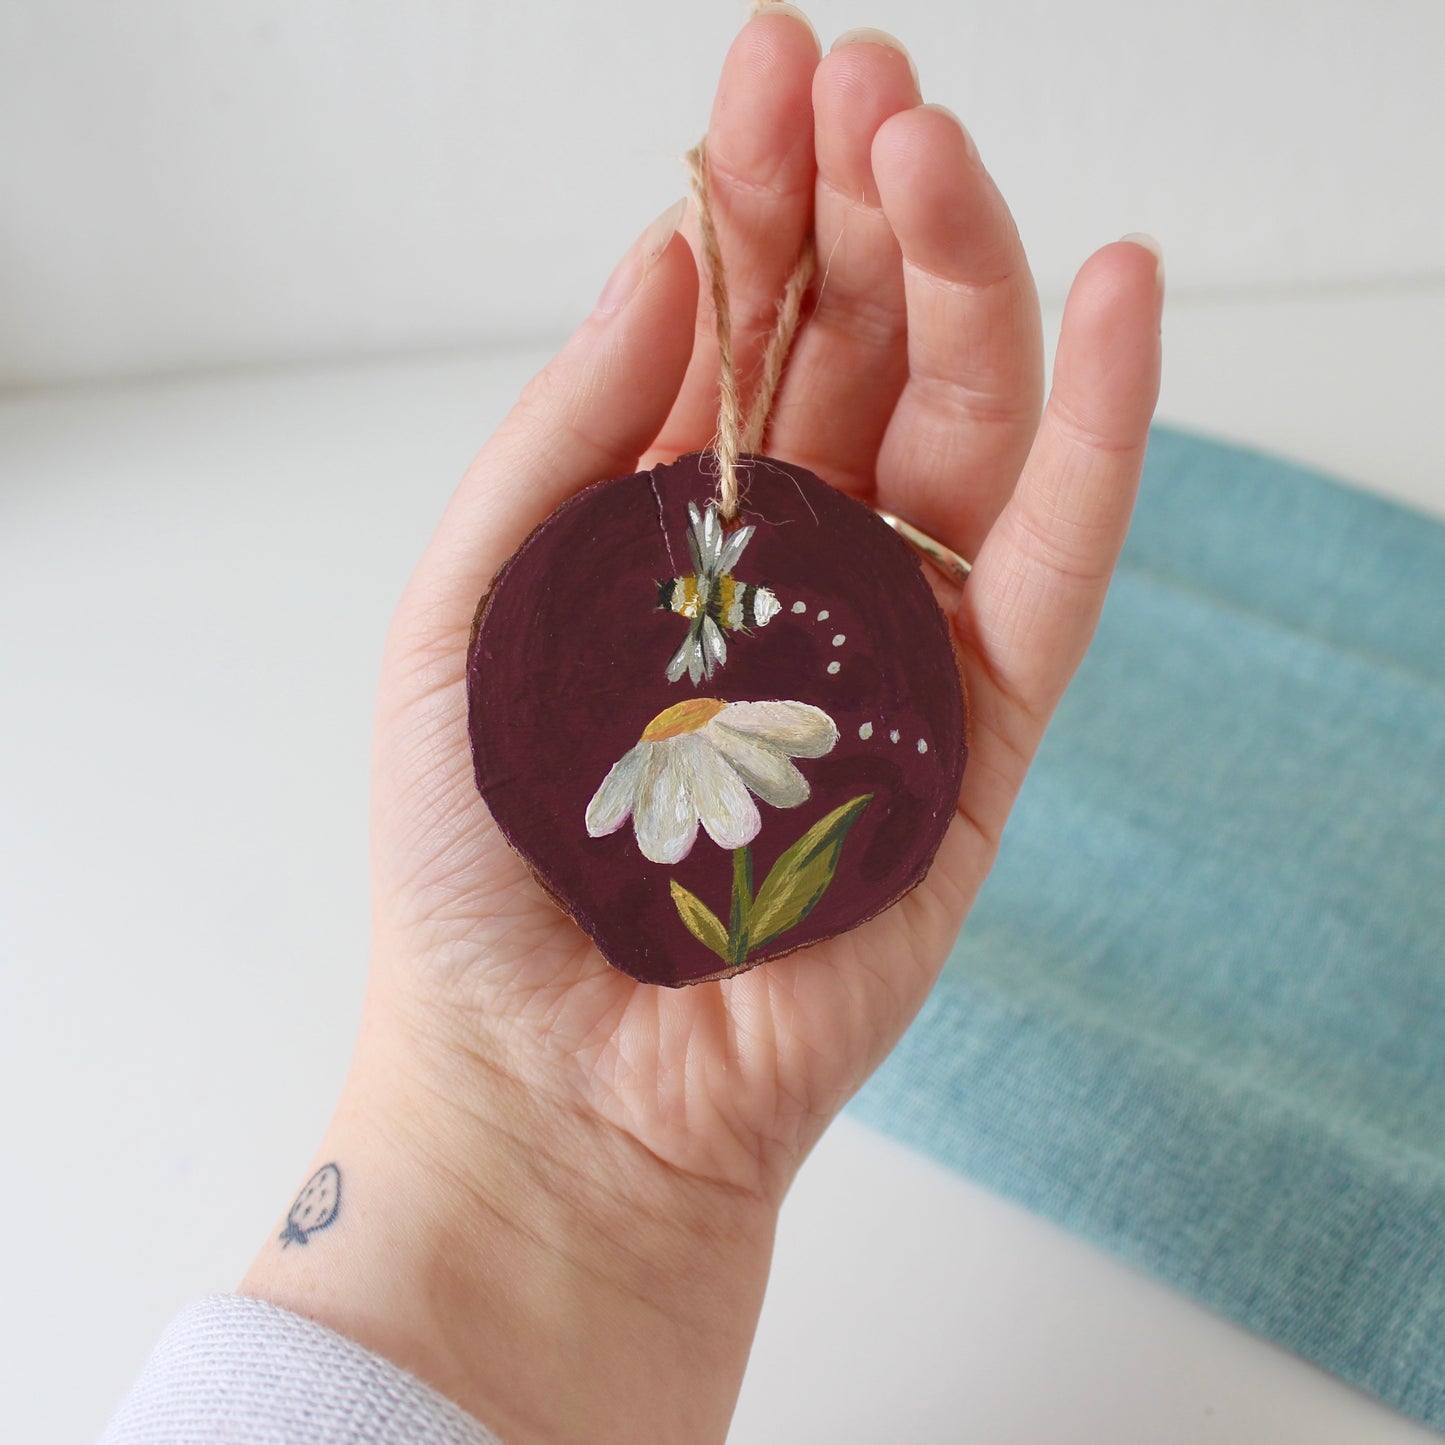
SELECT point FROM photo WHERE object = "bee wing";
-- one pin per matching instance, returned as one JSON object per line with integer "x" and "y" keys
{"x": 711, "y": 537}
{"x": 696, "y": 550}
{"x": 732, "y": 549}
{"x": 682, "y": 658}
{"x": 714, "y": 644}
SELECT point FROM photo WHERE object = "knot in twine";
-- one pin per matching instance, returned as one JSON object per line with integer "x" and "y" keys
{"x": 738, "y": 432}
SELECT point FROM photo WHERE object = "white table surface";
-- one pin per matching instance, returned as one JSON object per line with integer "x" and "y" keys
{"x": 194, "y": 580}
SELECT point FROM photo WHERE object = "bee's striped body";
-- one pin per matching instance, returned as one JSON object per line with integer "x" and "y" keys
{"x": 730, "y": 603}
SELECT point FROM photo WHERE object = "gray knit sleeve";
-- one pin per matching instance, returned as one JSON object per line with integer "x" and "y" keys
{"x": 236, "y": 1371}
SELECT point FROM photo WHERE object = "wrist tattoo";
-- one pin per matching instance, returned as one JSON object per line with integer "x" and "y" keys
{"x": 315, "y": 1208}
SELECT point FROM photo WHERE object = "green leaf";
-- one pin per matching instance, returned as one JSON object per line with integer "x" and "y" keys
{"x": 701, "y": 921}
{"x": 802, "y": 875}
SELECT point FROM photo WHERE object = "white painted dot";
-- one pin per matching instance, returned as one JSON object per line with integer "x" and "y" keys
{"x": 834, "y": 666}
{"x": 894, "y": 736}
{"x": 866, "y": 731}
{"x": 922, "y": 745}
{"x": 823, "y": 615}
{"x": 800, "y": 607}
{"x": 839, "y": 640}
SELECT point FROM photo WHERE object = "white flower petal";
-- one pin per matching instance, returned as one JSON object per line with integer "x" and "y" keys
{"x": 664, "y": 816}
{"x": 615, "y": 799}
{"x": 762, "y": 767}
{"x": 709, "y": 774}
{"x": 727, "y": 811}
{"x": 795, "y": 728}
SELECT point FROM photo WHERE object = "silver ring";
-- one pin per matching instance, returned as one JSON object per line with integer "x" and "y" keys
{"x": 948, "y": 562}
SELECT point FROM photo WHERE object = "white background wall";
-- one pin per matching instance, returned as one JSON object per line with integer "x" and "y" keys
{"x": 244, "y": 181}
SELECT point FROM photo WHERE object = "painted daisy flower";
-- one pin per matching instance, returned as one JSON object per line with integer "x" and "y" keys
{"x": 701, "y": 761}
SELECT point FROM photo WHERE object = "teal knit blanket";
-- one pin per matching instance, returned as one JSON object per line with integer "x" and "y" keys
{"x": 1198, "y": 1014}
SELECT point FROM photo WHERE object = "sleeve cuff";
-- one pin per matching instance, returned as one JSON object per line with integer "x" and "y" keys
{"x": 242, "y": 1371}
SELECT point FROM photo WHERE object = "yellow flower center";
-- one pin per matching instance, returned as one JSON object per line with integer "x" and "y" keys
{"x": 682, "y": 717}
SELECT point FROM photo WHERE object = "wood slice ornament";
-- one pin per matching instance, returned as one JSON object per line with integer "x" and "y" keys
{"x": 715, "y": 707}
{"x": 715, "y": 745}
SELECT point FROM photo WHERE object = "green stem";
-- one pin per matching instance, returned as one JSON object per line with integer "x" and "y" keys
{"x": 742, "y": 905}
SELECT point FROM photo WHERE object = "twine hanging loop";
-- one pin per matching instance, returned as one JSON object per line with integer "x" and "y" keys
{"x": 740, "y": 432}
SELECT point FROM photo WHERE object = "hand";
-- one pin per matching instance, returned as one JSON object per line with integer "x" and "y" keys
{"x": 565, "y": 1182}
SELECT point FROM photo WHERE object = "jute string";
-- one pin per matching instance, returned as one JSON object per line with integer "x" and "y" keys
{"x": 739, "y": 432}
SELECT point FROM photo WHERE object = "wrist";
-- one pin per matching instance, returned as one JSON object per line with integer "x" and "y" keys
{"x": 531, "y": 1262}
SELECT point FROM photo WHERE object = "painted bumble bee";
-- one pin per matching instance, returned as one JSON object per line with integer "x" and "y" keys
{"x": 712, "y": 598}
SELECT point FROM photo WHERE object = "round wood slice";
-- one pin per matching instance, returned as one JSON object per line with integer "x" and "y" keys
{"x": 568, "y": 670}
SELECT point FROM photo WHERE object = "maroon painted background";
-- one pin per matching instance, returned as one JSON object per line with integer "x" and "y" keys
{"x": 567, "y": 668}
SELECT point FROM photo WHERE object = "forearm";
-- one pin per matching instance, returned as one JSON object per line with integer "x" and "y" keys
{"x": 541, "y": 1270}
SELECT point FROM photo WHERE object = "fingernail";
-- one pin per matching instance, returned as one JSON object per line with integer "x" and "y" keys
{"x": 866, "y": 35}
{"x": 777, "y": 8}
{"x": 639, "y": 259}
{"x": 953, "y": 116}
{"x": 1150, "y": 244}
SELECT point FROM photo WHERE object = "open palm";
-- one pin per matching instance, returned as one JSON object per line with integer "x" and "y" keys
{"x": 915, "y": 384}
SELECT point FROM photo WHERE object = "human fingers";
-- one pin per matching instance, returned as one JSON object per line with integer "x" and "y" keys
{"x": 849, "y": 361}
{"x": 966, "y": 417}
{"x": 1040, "y": 578}
{"x": 760, "y": 172}
{"x": 586, "y": 416}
